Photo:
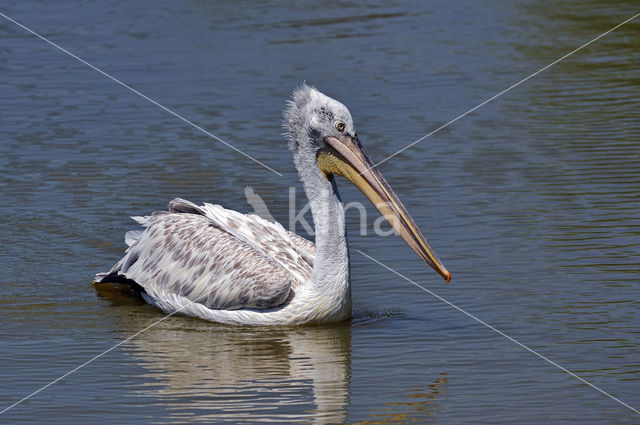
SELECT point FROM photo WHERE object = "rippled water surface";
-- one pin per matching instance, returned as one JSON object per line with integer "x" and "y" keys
{"x": 532, "y": 201}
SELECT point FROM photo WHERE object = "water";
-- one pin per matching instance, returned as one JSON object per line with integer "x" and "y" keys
{"x": 532, "y": 202}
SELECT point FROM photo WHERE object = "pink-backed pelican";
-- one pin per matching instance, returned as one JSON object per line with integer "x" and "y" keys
{"x": 220, "y": 265}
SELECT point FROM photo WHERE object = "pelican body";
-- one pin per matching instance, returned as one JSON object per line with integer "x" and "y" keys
{"x": 220, "y": 265}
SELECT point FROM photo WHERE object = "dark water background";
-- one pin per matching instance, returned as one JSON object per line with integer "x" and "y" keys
{"x": 532, "y": 202}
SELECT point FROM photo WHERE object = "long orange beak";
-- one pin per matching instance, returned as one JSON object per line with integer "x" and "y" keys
{"x": 345, "y": 156}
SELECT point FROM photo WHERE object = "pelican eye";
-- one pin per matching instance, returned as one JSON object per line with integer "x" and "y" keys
{"x": 340, "y": 126}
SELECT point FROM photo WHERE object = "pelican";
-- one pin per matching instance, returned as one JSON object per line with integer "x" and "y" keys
{"x": 220, "y": 265}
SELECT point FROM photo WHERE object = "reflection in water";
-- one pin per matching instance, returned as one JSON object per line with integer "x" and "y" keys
{"x": 205, "y": 372}
{"x": 419, "y": 408}
{"x": 202, "y": 372}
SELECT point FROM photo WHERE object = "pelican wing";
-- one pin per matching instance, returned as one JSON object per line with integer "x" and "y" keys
{"x": 290, "y": 251}
{"x": 214, "y": 256}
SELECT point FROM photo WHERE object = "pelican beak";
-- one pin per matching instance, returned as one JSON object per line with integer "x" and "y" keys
{"x": 345, "y": 156}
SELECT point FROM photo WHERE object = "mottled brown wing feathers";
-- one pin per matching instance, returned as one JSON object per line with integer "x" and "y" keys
{"x": 188, "y": 255}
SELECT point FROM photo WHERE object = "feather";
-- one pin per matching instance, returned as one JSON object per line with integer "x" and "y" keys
{"x": 132, "y": 237}
{"x": 214, "y": 256}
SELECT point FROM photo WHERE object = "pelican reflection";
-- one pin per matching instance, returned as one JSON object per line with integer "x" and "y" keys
{"x": 209, "y": 373}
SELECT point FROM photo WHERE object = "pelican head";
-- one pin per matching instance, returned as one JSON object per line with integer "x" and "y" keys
{"x": 322, "y": 136}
